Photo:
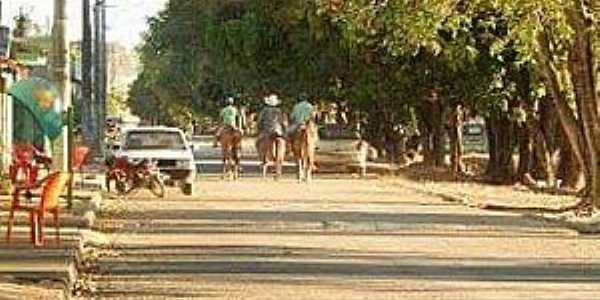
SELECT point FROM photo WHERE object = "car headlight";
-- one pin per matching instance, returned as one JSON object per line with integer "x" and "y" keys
{"x": 134, "y": 161}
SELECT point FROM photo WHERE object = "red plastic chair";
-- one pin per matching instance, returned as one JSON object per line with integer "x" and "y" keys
{"x": 80, "y": 156}
{"x": 22, "y": 163}
{"x": 52, "y": 186}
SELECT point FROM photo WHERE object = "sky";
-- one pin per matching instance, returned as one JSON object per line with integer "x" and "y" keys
{"x": 126, "y": 19}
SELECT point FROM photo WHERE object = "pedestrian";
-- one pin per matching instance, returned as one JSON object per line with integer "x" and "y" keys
{"x": 364, "y": 153}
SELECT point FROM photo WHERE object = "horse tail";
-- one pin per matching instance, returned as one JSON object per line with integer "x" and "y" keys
{"x": 305, "y": 141}
{"x": 306, "y": 131}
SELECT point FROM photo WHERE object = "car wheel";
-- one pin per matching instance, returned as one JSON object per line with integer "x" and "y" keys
{"x": 188, "y": 189}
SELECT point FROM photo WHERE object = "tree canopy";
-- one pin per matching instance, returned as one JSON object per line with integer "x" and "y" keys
{"x": 394, "y": 62}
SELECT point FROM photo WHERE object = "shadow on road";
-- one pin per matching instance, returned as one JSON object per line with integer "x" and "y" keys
{"x": 531, "y": 272}
{"x": 334, "y": 216}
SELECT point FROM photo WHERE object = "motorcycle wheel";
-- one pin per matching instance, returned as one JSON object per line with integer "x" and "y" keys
{"x": 121, "y": 186}
{"x": 157, "y": 187}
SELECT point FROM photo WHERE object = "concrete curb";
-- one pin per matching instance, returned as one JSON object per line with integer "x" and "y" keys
{"x": 444, "y": 196}
{"x": 13, "y": 288}
{"x": 582, "y": 226}
{"x": 586, "y": 225}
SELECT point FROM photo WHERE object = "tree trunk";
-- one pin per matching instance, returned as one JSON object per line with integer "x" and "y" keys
{"x": 525, "y": 136}
{"x": 565, "y": 114}
{"x": 569, "y": 172}
{"x": 543, "y": 155}
{"x": 500, "y": 166}
{"x": 425, "y": 140}
{"x": 544, "y": 142}
{"x": 455, "y": 133}
{"x": 438, "y": 138}
{"x": 581, "y": 67}
{"x": 432, "y": 130}
{"x": 492, "y": 145}
{"x": 572, "y": 126}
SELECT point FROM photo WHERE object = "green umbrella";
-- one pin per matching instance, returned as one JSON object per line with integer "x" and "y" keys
{"x": 38, "y": 95}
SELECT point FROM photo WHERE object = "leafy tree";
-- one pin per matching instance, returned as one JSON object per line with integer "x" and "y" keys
{"x": 117, "y": 102}
{"x": 195, "y": 53}
{"x": 398, "y": 64}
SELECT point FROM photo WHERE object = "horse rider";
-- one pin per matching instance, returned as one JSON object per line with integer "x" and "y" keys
{"x": 302, "y": 112}
{"x": 271, "y": 119}
{"x": 229, "y": 117}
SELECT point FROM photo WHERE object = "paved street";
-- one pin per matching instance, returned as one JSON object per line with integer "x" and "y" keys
{"x": 407, "y": 112}
{"x": 335, "y": 239}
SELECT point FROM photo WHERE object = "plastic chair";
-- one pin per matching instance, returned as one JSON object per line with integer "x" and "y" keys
{"x": 22, "y": 163}
{"x": 52, "y": 186}
{"x": 80, "y": 155}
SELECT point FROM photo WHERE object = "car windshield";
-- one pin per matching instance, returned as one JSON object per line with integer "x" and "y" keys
{"x": 473, "y": 130}
{"x": 143, "y": 140}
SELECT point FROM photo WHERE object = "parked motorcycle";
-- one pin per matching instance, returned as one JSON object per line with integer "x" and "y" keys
{"x": 130, "y": 176}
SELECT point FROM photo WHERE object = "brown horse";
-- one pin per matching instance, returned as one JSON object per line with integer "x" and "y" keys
{"x": 271, "y": 150}
{"x": 304, "y": 143}
{"x": 231, "y": 144}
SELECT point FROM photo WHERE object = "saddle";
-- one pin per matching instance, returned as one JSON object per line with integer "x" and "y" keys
{"x": 228, "y": 129}
{"x": 273, "y": 134}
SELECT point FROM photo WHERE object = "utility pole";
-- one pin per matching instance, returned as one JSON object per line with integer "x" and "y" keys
{"x": 99, "y": 70}
{"x": 88, "y": 109}
{"x": 61, "y": 77}
{"x": 104, "y": 75}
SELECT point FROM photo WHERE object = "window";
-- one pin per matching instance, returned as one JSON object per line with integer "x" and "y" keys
{"x": 473, "y": 130}
{"x": 148, "y": 140}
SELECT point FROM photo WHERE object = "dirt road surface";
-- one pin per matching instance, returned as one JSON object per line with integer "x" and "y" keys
{"x": 338, "y": 238}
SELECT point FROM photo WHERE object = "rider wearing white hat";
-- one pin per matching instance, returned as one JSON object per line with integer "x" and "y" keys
{"x": 272, "y": 100}
{"x": 271, "y": 118}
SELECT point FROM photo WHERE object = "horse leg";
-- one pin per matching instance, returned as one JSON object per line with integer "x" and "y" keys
{"x": 232, "y": 164}
{"x": 280, "y": 155}
{"x": 236, "y": 163}
{"x": 231, "y": 168}
{"x": 238, "y": 155}
{"x": 224, "y": 170}
{"x": 224, "y": 160}
{"x": 363, "y": 169}
{"x": 264, "y": 170}
{"x": 300, "y": 169}
{"x": 310, "y": 163}
{"x": 308, "y": 169}
{"x": 263, "y": 157}
{"x": 278, "y": 170}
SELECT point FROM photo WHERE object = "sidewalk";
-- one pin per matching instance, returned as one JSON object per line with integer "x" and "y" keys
{"x": 24, "y": 269}
{"x": 491, "y": 197}
{"x": 42, "y": 291}
{"x": 554, "y": 209}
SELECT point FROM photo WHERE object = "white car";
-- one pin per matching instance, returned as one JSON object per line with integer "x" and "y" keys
{"x": 168, "y": 147}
